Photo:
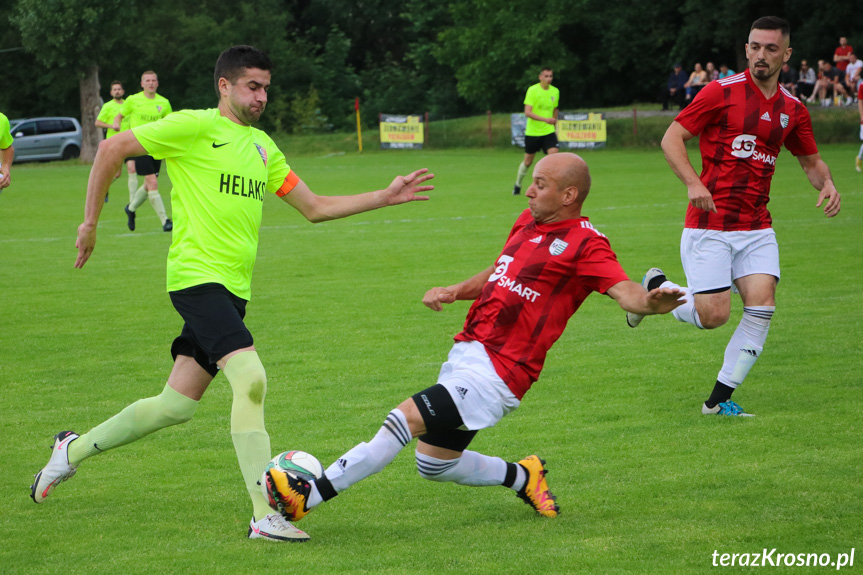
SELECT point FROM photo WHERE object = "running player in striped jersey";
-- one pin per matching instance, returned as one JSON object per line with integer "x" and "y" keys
{"x": 553, "y": 259}
{"x": 728, "y": 242}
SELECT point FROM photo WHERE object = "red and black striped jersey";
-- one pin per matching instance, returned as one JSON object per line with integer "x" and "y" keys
{"x": 741, "y": 133}
{"x": 543, "y": 275}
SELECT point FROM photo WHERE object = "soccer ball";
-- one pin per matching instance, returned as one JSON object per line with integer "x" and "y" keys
{"x": 297, "y": 464}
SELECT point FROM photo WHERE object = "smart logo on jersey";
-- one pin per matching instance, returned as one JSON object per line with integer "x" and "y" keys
{"x": 784, "y": 120}
{"x": 744, "y": 146}
{"x": 510, "y": 284}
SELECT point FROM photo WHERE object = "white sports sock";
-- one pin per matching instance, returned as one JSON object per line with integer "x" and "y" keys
{"x": 522, "y": 170}
{"x": 746, "y": 344}
{"x": 860, "y": 153}
{"x": 687, "y": 312}
{"x": 133, "y": 186}
{"x": 156, "y": 201}
{"x": 367, "y": 459}
{"x": 472, "y": 468}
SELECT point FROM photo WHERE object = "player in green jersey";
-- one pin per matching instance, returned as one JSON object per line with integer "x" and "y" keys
{"x": 221, "y": 168}
{"x": 7, "y": 152}
{"x": 540, "y": 107}
{"x": 105, "y": 120}
{"x": 140, "y": 109}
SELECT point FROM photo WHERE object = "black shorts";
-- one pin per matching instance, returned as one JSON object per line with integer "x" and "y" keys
{"x": 214, "y": 324}
{"x": 146, "y": 165}
{"x": 533, "y": 144}
{"x": 442, "y": 419}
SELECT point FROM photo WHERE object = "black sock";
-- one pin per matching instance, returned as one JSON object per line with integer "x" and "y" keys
{"x": 656, "y": 282}
{"x": 511, "y": 474}
{"x": 721, "y": 393}
{"x": 325, "y": 488}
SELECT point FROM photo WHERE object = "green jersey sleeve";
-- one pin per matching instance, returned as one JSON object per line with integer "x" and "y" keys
{"x": 105, "y": 114}
{"x": 278, "y": 169}
{"x": 171, "y": 136}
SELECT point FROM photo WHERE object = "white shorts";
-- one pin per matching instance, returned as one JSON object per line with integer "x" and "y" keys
{"x": 713, "y": 259}
{"x": 480, "y": 395}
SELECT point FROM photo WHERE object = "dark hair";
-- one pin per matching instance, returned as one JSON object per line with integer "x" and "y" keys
{"x": 546, "y": 68}
{"x": 115, "y": 82}
{"x": 234, "y": 61}
{"x": 772, "y": 23}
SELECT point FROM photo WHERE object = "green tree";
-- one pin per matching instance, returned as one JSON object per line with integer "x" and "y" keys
{"x": 72, "y": 36}
{"x": 497, "y": 47}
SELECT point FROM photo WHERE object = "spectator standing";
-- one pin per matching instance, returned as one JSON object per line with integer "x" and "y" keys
{"x": 840, "y": 56}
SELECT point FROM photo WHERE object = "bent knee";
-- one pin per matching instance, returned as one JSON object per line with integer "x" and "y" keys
{"x": 176, "y": 414}
{"x": 712, "y": 320}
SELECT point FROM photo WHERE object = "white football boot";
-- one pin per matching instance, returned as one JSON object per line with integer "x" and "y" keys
{"x": 633, "y": 319}
{"x": 57, "y": 470}
{"x": 276, "y": 528}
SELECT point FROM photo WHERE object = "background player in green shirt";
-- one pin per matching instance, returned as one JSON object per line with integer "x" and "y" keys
{"x": 105, "y": 120}
{"x": 7, "y": 152}
{"x": 140, "y": 109}
{"x": 221, "y": 168}
{"x": 540, "y": 107}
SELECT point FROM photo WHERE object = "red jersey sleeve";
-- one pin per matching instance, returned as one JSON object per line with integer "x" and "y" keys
{"x": 598, "y": 268}
{"x": 801, "y": 140}
{"x": 704, "y": 109}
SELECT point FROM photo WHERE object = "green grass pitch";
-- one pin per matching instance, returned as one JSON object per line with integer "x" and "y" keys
{"x": 645, "y": 482}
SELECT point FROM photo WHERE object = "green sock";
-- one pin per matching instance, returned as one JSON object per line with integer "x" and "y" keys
{"x": 132, "y": 184}
{"x": 139, "y": 419}
{"x": 251, "y": 442}
{"x": 522, "y": 171}
{"x": 140, "y": 198}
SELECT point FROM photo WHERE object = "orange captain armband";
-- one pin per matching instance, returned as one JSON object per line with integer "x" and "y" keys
{"x": 291, "y": 181}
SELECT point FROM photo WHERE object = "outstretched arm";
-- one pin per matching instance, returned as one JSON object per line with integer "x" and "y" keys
{"x": 819, "y": 175}
{"x": 468, "y": 289}
{"x": 108, "y": 160}
{"x": 635, "y": 299}
{"x": 317, "y": 208}
{"x": 674, "y": 147}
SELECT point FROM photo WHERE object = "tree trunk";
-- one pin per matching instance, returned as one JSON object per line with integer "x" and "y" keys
{"x": 91, "y": 104}
{"x": 742, "y": 62}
